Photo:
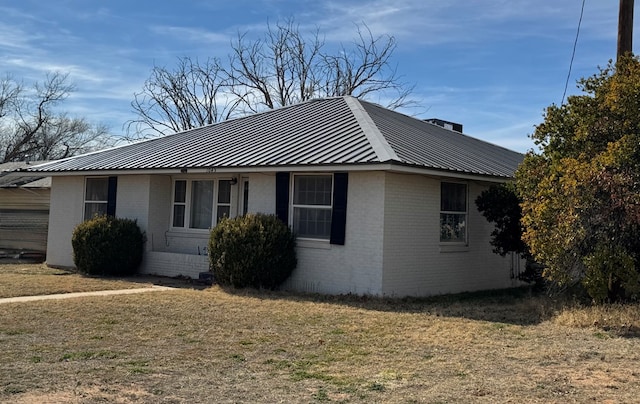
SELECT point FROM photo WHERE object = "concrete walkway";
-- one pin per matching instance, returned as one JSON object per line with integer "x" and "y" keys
{"x": 20, "y": 299}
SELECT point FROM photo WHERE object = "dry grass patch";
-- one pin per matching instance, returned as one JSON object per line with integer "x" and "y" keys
{"x": 39, "y": 279}
{"x": 620, "y": 319}
{"x": 244, "y": 346}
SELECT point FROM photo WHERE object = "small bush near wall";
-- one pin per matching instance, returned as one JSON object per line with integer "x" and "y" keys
{"x": 254, "y": 250}
{"x": 107, "y": 245}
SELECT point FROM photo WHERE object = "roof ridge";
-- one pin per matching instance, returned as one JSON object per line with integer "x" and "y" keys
{"x": 377, "y": 140}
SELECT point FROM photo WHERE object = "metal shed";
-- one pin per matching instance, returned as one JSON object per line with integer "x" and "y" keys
{"x": 24, "y": 211}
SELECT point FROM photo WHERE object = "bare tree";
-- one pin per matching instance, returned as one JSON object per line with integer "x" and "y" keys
{"x": 30, "y": 129}
{"x": 284, "y": 67}
{"x": 190, "y": 96}
{"x": 365, "y": 69}
{"x": 278, "y": 70}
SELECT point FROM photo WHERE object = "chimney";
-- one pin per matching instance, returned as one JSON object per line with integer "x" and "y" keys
{"x": 446, "y": 124}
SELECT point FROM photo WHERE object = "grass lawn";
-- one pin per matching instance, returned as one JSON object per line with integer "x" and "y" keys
{"x": 214, "y": 345}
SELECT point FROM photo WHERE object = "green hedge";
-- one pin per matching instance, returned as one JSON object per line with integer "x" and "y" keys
{"x": 107, "y": 245}
{"x": 254, "y": 250}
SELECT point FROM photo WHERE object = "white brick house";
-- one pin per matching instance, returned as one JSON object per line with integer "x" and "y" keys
{"x": 382, "y": 203}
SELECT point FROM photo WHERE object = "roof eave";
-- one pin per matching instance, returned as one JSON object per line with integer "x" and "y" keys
{"x": 392, "y": 166}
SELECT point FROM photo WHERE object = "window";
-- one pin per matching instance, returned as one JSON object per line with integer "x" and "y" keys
{"x": 245, "y": 196}
{"x": 179, "y": 203}
{"x": 193, "y": 203}
{"x": 453, "y": 212}
{"x": 201, "y": 211}
{"x": 224, "y": 199}
{"x": 312, "y": 195}
{"x": 96, "y": 197}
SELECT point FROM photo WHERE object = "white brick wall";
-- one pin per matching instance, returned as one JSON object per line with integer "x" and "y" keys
{"x": 415, "y": 262}
{"x": 132, "y": 199}
{"x": 159, "y": 212}
{"x": 65, "y": 213}
{"x": 355, "y": 267}
{"x": 392, "y": 236}
{"x": 174, "y": 264}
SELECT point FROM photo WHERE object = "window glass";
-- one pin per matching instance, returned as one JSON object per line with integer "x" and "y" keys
{"x": 312, "y": 190}
{"x": 180, "y": 194}
{"x": 224, "y": 199}
{"x": 178, "y": 215}
{"x": 97, "y": 189}
{"x": 312, "y": 206}
{"x": 312, "y": 223}
{"x": 96, "y": 195}
{"x": 201, "y": 204}
{"x": 196, "y": 203}
{"x": 224, "y": 191}
{"x": 94, "y": 209}
{"x": 453, "y": 197}
{"x": 223, "y": 211}
{"x": 453, "y": 212}
{"x": 179, "y": 203}
{"x": 453, "y": 227}
{"x": 245, "y": 196}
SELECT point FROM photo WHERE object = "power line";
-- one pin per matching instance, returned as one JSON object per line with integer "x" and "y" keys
{"x": 573, "y": 54}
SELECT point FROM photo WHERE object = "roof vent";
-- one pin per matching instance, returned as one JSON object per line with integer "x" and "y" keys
{"x": 446, "y": 124}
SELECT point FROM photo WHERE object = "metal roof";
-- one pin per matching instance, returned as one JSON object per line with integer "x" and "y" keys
{"x": 330, "y": 131}
{"x": 13, "y": 175}
{"x": 421, "y": 143}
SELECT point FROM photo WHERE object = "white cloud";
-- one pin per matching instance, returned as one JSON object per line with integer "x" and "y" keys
{"x": 433, "y": 22}
{"x": 198, "y": 35}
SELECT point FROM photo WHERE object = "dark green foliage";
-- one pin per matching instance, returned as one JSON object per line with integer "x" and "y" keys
{"x": 106, "y": 245}
{"x": 254, "y": 250}
{"x": 500, "y": 204}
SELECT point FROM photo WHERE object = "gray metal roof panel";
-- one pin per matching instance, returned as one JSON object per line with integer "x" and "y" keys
{"x": 341, "y": 130}
{"x": 421, "y": 143}
{"x": 308, "y": 133}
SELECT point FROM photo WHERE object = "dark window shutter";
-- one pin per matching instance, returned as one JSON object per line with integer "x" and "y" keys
{"x": 339, "y": 213}
{"x": 111, "y": 196}
{"x": 282, "y": 196}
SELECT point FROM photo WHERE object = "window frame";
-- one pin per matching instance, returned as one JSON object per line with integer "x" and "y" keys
{"x": 218, "y": 203}
{"x": 188, "y": 203}
{"x": 293, "y": 205}
{"x": 244, "y": 196}
{"x": 86, "y": 201}
{"x": 464, "y": 213}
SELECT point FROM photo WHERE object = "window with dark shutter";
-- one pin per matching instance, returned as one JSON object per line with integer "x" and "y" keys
{"x": 318, "y": 206}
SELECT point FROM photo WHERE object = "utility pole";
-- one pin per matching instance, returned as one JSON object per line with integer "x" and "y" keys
{"x": 625, "y": 28}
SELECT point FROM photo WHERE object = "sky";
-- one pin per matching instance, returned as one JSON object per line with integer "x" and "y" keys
{"x": 491, "y": 65}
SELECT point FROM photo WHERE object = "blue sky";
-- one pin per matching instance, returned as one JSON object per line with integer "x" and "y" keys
{"x": 492, "y": 65}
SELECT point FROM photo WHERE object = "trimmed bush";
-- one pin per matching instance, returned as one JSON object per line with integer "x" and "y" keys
{"x": 255, "y": 250}
{"x": 106, "y": 245}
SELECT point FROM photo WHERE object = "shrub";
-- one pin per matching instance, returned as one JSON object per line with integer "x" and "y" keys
{"x": 255, "y": 250}
{"x": 107, "y": 245}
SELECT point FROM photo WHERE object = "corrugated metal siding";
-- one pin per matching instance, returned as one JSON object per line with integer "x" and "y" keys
{"x": 24, "y": 218}
{"x": 24, "y": 229}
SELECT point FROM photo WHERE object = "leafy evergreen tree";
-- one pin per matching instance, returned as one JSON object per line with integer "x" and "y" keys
{"x": 581, "y": 192}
